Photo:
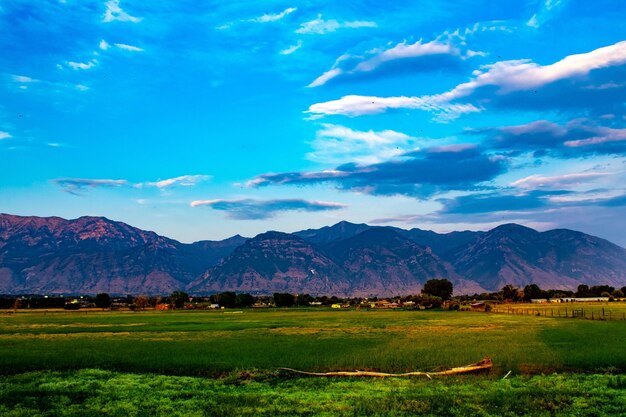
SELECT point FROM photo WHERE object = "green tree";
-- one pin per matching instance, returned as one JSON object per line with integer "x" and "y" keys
{"x": 226, "y": 299}
{"x": 439, "y": 288}
{"x": 583, "y": 291}
{"x": 618, "y": 294}
{"x": 303, "y": 299}
{"x": 245, "y": 300}
{"x": 179, "y": 298}
{"x": 103, "y": 300}
{"x": 532, "y": 291}
{"x": 284, "y": 299}
{"x": 509, "y": 292}
{"x": 600, "y": 289}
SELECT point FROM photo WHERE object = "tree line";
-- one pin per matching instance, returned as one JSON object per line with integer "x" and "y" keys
{"x": 434, "y": 293}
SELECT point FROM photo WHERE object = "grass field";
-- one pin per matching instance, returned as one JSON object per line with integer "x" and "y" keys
{"x": 212, "y": 343}
{"x": 113, "y": 361}
{"x": 588, "y": 310}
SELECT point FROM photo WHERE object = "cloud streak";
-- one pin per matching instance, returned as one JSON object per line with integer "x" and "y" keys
{"x": 492, "y": 81}
{"x": 130, "y": 48}
{"x": 319, "y": 26}
{"x": 183, "y": 181}
{"x": 416, "y": 57}
{"x": 419, "y": 174}
{"x": 273, "y": 17}
{"x": 114, "y": 12}
{"x": 338, "y": 144}
{"x": 251, "y": 209}
{"x": 75, "y": 185}
{"x": 576, "y": 138}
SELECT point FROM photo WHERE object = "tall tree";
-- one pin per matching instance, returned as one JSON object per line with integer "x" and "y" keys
{"x": 103, "y": 300}
{"x": 179, "y": 298}
{"x": 439, "y": 288}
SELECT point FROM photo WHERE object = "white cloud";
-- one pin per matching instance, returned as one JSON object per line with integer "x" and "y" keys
{"x": 293, "y": 48}
{"x": 507, "y": 76}
{"x": 272, "y": 17}
{"x": 558, "y": 181}
{"x": 354, "y": 105}
{"x": 81, "y": 87}
{"x": 82, "y": 65}
{"x": 320, "y": 26}
{"x": 183, "y": 180}
{"x": 104, "y": 45}
{"x": 604, "y": 135}
{"x": 325, "y": 77}
{"x": 128, "y": 47}
{"x": 399, "y": 51}
{"x": 23, "y": 79}
{"x": 402, "y": 50}
{"x": 335, "y": 144}
{"x": 74, "y": 185}
{"x": 545, "y": 13}
{"x": 114, "y": 12}
{"x": 4, "y": 135}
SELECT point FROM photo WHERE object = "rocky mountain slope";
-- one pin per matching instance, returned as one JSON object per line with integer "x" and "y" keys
{"x": 93, "y": 254}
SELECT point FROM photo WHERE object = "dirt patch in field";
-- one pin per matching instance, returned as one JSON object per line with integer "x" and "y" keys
{"x": 73, "y": 325}
{"x": 65, "y": 335}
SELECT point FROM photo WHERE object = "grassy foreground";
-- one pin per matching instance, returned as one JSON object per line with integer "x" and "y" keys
{"x": 215, "y": 343}
{"x": 225, "y": 363}
{"x": 97, "y": 392}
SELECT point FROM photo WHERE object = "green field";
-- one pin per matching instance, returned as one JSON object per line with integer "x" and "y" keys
{"x": 588, "y": 310}
{"x": 225, "y": 363}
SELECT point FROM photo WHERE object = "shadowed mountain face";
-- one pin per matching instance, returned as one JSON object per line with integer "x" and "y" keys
{"x": 275, "y": 262}
{"x": 93, "y": 254}
{"x": 381, "y": 261}
{"x": 514, "y": 254}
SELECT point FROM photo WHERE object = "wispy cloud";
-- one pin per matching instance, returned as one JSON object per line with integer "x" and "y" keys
{"x": 338, "y": 144}
{"x": 272, "y": 17}
{"x": 104, "y": 45}
{"x": 183, "y": 181}
{"x": 427, "y": 55}
{"x": 22, "y": 79}
{"x": 128, "y": 47}
{"x": 418, "y": 174}
{"x": 75, "y": 185}
{"x": 82, "y": 65}
{"x": 319, "y": 26}
{"x": 114, "y": 12}
{"x": 355, "y": 105}
{"x": 291, "y": 49}
{"x": 265, "y": 18}
{"x": 497, "y": 79}
{"x": 564, "y": 181}
{"x": 576, "y": 138}
{"x": 546, "y": 12}
{"x": 4, "y": 135}
{"x": 251, "y": 209}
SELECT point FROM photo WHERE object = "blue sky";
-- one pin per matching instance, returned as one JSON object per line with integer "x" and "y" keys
{"x": 200, "y": 120}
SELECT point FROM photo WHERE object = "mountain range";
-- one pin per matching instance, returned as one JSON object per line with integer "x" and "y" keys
{"x": 88, "y": 255}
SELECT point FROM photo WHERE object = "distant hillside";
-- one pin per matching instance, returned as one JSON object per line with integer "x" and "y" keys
{"x": 94, "y": 254}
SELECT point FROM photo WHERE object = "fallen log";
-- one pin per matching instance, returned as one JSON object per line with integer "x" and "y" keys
{"x": 484, "y": 365}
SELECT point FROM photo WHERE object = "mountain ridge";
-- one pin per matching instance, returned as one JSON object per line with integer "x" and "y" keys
{"x": 95, "y": 254}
